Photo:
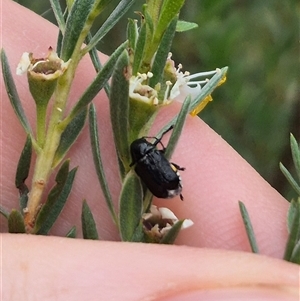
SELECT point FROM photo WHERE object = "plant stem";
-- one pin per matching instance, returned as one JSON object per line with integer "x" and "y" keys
{"x": 43, "y": 167}
{"x": 45, "y": 157}
{"x": 41, "y": 111}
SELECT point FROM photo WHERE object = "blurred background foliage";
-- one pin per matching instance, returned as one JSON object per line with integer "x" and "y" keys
{"x": 259, "y": 105}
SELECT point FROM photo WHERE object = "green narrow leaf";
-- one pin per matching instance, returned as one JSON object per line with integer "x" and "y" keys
{"x": 72, "y": 233}
{"x": 99, "y": 82}
{"x": 131, "y": 199}
{"x": 51, "y": 213}
{"x": 69, "y": 136}
{"x": 100, "y": 5}
{"x": 113, "y": 18}
{"x": 295, "y": 154}
{"x": 119, "y": 107}
{"x": 151, "y": 11}
{"x": 89, "y": 228}
{"x": 149, "y": 24}
{"x": 69, "y": 4}
{"x": 162, "y": 54}
{"x": 60, "y": 33}
{"x": 59, "y": 43}
{"x": 54, "y": 193}
{"x": 56, "y": 8}
{"x": 16, "y": 222}
{"x": 98, "y": 161}
{"x": 139, "y": 235}
{"x": 24, "y": 164}
{"x": 22, "y": 173}
{"x": 295, "y": 257}
{"x": 141, "y": 117}
{"x": 96, "y": 62}
{"x": 248, "y": 227}
{"x": 154, "y": 8}
{"x": 139, "y": 50}
{"x": 94, "y": 55}
{"x": 290, "y": 178}
{"x": 294, "y": 204}
{"x": 209, "y": 87}
{"x": 185, "y": 26}
{"x": 13, "y": 93}
{"x": 132, "y": 33}
{"x": 76, "y": 21}
{"x": 178, "y": 127}
{"x": 4, "y": 212}
{"x": 170, "y": 9}
{"x": 171, "y": 236}
{"x": 294, "y": 235}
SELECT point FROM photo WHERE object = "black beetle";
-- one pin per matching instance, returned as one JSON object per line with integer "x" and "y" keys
{"x": 159, "y": 175}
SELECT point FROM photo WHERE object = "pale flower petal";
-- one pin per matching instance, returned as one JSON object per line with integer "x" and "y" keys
{"x": 166, "y": 213}
{"x": 140, "y": 91}
{"x": 23, "y": 64}
{"x": 159, "y": 221}
{"x": 187, "y": 223}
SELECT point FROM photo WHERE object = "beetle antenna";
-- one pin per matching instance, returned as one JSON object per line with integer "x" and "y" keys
{"x": 158, "y": 140}
{"x": 166, "y": 131}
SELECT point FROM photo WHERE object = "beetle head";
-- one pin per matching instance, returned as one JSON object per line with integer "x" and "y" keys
{"x": 139, "y": 148}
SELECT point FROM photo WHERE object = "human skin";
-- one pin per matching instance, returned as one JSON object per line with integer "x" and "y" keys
{"x": 212, "y": 252}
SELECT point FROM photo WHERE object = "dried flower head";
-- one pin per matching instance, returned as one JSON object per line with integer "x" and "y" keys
{"x": 42, "y": 74}
{"x": 46, "y": 68}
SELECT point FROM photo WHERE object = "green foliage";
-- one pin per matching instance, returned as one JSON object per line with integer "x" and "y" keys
{"x": 75, "y": 24}
{"x": 71, "y": 233}
{"x": 130, "y": 206}
{"x": 89, "y": 228}
{"x": 292, "y": 249}
{"x": 292, "y": 246}
{"x": 98, "y": 83}
{"x": 119, "y": 107}
{"x": 162, "y": 53}
{"x": 24, "y": 164}
{"x": 56, "y": 200}
{"x": 109, "y": 23}
{"x": 260, "y": 97}
{"x": 170, "y": 237}
{"x": 259, "y": 104}
{"x": 248, "y": 227}
{"x": 95, "y": 144}
{"x": 16, "y": 222}
{"x": 69, "y": 136}
{"x": 13, "y": 93}
{"x": 179, "y": 123}
{"x": 22, "y": 173}
{"x": 185, "y": 26}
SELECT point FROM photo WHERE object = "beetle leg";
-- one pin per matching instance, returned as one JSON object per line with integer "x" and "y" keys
{"x": 177, "y": 166}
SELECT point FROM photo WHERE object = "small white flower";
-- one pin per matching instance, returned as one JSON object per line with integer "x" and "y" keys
{"x": 140, "y": 91}
{"x": 186, "y": 83}
{"x": 159, "y": 221}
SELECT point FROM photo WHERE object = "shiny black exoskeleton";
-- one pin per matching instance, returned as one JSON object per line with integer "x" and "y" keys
{"x": 159, "y": 175}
